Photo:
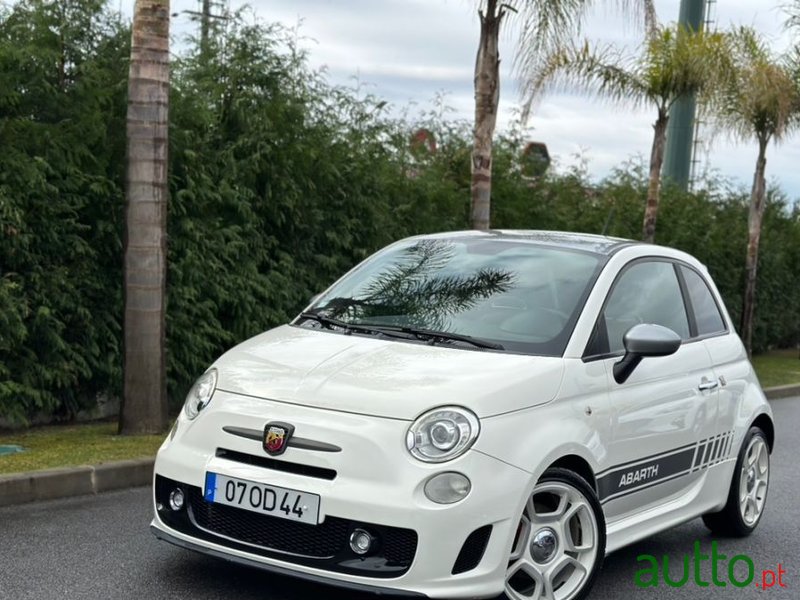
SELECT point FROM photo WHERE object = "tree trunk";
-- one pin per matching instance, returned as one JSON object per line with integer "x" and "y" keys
{"x": 758, "y": 198}
{"x": 205, "y": 24}
{"x": 144, "y": 402}
{"x": 487, "y": 95}
{"x": 654, "y": 185}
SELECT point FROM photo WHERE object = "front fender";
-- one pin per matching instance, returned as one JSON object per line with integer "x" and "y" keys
{"x": 535, "y": 438}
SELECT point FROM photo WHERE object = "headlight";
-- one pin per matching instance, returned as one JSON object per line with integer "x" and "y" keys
{"x": 442, "y": 434}
{"x": 200, "y": 394}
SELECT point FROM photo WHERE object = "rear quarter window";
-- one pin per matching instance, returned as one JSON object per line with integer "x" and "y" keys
{"x": 706, "y": 311}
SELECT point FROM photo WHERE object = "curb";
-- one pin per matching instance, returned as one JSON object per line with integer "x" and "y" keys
{"x": 49, "y": 484}
{"x": 782, "y": 391}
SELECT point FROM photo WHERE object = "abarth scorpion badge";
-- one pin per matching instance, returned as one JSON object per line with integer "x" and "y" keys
{"x": 276, "y": 437}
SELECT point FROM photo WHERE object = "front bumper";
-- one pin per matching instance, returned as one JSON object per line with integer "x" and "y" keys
{"x": 375, "y": 483}
{"x": 248, "y": 562}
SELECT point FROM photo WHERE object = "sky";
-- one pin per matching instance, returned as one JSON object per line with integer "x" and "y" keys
{"x": 408, "y": 51}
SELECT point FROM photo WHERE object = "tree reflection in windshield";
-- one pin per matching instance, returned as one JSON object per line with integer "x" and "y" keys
{"x": 419, "y": 288}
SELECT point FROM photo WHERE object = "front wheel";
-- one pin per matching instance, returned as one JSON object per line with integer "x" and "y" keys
{"x": 560, "y": 541}
{"x": 747, "y": 496}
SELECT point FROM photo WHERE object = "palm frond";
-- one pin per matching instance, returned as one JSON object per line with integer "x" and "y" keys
{"x": 682, "y": 62}
{"x": 602, "y": 71}
{"x": 792, "y": 12}
{"x": 642, "y": 11}
{"x": 547, "y": 25}
{"x": 761, "y": 100}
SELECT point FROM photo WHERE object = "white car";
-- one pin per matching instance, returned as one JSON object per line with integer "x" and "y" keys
{"x": 470, "y": 414}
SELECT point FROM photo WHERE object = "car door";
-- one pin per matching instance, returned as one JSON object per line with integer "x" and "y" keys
{"x": 668, "y": 404}
{"x": 728, "y": 357}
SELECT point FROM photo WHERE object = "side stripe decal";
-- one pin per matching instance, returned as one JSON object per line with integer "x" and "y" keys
{"x": 714, "y": 450}
{"x": 707, "y": 452}
{"x": 637, "y": 475}
{"x": 701, "y": 448}
{"x": 644, "y": 459}
{"x": 625, "y": 480}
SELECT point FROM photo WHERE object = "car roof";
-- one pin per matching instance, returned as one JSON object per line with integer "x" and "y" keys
{"x": 587, "y": 242}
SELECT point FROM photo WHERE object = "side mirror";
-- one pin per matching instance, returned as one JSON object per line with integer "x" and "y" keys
{"x": 641, "y": 341}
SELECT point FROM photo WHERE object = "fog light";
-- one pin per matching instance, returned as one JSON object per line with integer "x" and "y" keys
{"x": 447, "y": 488}
{"x": 361, "y": 541}
{"x": 176, "y": 499}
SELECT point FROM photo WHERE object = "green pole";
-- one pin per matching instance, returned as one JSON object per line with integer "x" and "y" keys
{"x": 680, "y": 131}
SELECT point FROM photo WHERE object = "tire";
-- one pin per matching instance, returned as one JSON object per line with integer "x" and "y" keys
{"x": 747, "y": 497}
{"x": 563, "y": 512}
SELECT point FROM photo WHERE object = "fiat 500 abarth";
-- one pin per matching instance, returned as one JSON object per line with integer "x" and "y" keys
{"x": 471, "y": 414}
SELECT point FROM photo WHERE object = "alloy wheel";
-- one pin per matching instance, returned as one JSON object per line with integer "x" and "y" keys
{"x": 555, "y": 548}
{"x": 754, "y": 481}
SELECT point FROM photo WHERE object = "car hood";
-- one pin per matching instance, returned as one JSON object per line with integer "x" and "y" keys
{"x": 380, "y": 377}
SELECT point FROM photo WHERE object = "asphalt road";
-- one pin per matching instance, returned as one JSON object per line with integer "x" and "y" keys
{"x": 100, "y": 547}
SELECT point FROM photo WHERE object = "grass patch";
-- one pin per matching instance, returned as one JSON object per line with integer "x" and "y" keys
{"x": 73, "y": 445}
{"x": 779, "y": 367}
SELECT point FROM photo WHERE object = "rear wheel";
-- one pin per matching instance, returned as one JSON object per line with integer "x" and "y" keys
{"x": 560, "y": 541}
{"x": 748, "y": 493}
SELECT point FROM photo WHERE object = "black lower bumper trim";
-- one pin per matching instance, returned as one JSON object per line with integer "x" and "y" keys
{"x": 324, "y": 546}
{"x": 356, "y": 587}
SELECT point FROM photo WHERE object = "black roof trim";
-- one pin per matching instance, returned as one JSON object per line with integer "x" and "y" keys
{"x": 596, "y": 244}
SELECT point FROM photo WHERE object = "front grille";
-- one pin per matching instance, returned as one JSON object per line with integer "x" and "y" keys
{"x": 472, "y": 550}
{"x": 318, "y": 541}
{"x": 277, "y": 465}
{"x": 324, "y": 546}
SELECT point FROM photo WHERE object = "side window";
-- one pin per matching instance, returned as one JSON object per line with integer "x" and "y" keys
{"x": 706, "y": 312}
{"x": 647, "y": 292}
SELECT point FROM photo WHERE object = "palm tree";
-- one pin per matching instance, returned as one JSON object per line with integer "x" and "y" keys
{"x": 543, "y": 25}
{"x": 673, "y": 62}
{"x": 761, "y": 103}
{"x": 144, "y": 402}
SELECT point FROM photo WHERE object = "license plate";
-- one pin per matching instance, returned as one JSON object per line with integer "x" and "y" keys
{"x": 261, "y": 498}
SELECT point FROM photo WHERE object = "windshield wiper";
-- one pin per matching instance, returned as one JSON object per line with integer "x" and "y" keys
{"x": 438, "y": 335}
{"x": 330, "y": 323}
{"x": 327, "y": 322}
{"x": 419, "y": 333}
{"x": 456, "y": 337}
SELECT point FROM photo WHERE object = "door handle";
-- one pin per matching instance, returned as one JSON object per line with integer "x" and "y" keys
{"x": 705, "y": 385}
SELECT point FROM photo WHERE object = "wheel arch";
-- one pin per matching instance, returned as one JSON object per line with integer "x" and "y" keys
{"x": 764, "y": 422}
{"x": 578, "y": 465}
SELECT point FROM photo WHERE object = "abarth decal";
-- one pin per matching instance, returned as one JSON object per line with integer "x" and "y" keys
{"x": 627, "y": 479}
{"x": 637, "y": 476}
{"x": 644, "y": 473}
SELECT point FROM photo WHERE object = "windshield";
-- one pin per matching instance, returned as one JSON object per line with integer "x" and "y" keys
{"x": 519, "y": 295}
